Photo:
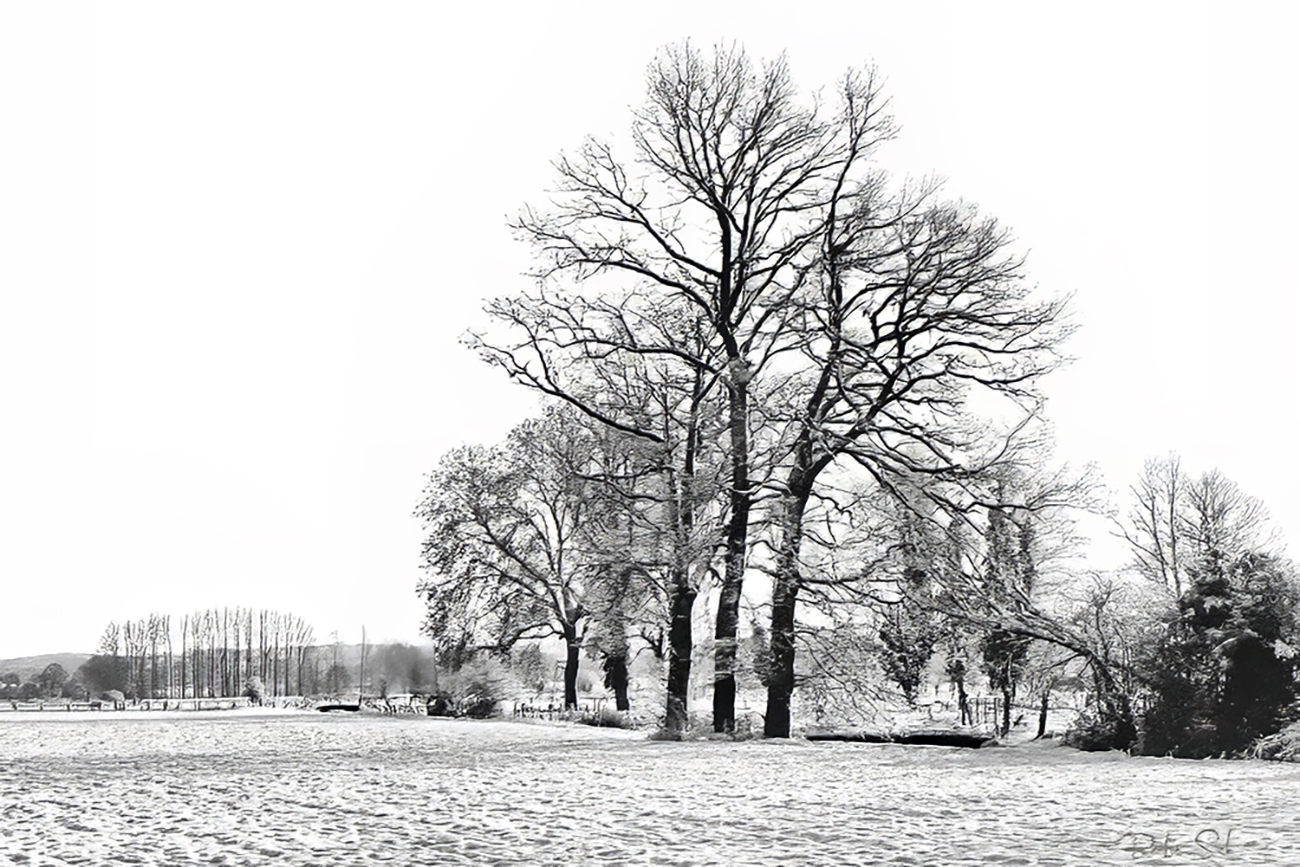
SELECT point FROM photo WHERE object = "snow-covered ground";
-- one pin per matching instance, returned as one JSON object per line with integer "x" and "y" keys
{"x": 293, "y": 788}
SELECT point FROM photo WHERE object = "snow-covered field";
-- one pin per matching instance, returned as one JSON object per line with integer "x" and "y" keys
{"x": 302, "y": 788}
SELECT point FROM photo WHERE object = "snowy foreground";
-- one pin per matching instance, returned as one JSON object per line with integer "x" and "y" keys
{"x": 294, "y": 788}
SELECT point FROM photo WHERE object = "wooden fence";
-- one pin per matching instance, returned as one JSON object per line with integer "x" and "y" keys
{"x": 167, "y": 704}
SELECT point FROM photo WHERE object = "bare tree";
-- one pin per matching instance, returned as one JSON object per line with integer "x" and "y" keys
{"x": 1175, "y": 522}
{"x": 185, "y": 671}
{"x": 213, "y": 627}
{"x": 135, "y": 639}
{"x": 229, "y": 683}
{"x": 717, "y": 219}
{"x": 1224, "y": 521}
{"x": 1045, "y": 609}
{"x": 274, "y": 621}
{"x": 295, "y": 632}
{"x": 659, "y": 509}
{"x": 198, "y": 637}
{"x": 303, "y": 639}
{"x": 620, "y": 541}
{"x": 502, "y": 554}
{"x": 1154, "y": 526}
{"x": 265, "y": 623}
{"x": 915, "y": 308}
{"x": 248, "y": 644}
{"x": 110, "y": 643}
{"x": 236, "y": 661}
{"x": 165, "y": 625}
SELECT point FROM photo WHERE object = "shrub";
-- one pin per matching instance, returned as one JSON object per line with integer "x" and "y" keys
{"x": 478, "y": 706}
{"x": 1092, "y": 732}
{"x": 440, "y": 705}
{"x": 254, "y": 690}
{"x": 606, "y": 717}
{"x": 476, "y": 688}
{"x": 1283, "y": 746}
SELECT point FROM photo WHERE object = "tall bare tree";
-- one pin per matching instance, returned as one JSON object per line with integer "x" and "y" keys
{"x": 185, "y": 658}
{"x": 1175, "y": 522}
{"x": 916, "y": 311}
{"x": 303, "y": 641}
{"x": 717, "y": 218}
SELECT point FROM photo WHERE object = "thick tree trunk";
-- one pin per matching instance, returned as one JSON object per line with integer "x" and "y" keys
{"x": 1042, "y": 714}
{"x": 780, "y": 677}
{"x": 571, "y": 672}
{"x": 616, "y": 679}
{"x": 724, "y": 657}
{"x": 728, "y": 623}
{"x": 676, "y": 718}
{"x": 1006, "y": 712}
{"x": 785, "y": 595}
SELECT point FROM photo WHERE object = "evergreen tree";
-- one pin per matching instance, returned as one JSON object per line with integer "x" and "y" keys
{"x": 1010, "y": 572}
{"x": 909, "y": 636}
{"x": 1224, "y": 673}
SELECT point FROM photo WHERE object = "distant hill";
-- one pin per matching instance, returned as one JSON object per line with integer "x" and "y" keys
{"x": 27, "y": 667}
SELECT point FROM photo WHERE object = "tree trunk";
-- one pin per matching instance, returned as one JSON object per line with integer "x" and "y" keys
{"x": 1006, "y": 712}
{"x": 238, "y": 681}
{"x": 616, "y": 679}
{"x": 785, "y": 594}
{"x": 1115, "y": 705}
{"x": 571, "y": 672}
{"x": 185, "y": 672}
{"x": 676, "y": 717}
{"x": 724, "y": 648}
{"x": 780, "y": 676}
{"x": 1042, "y": 714}
{"x": 724, "y": 656}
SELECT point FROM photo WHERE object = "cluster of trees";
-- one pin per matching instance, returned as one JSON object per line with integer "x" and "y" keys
{"x": 765, "y": 361}
{"x": 225, "y": 652}
{"x": 53, "y": 682}
{"x": 1218, "y": 669}
{"x": 217, "y": 652}
{"x": 754, "y": 330}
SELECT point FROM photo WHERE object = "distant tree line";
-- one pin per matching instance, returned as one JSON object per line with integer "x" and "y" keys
{"x": 213, "y": 653}
{"x": 52, "y": 682}
{"x": 229, "y": 652}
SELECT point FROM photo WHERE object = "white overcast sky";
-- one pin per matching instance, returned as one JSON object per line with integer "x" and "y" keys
{"x": 239, "y": 243}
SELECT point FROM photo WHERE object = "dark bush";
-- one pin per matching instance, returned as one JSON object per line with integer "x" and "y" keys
{"x": 1284, "y": 746}
{"x": 478, "y": 706}
{"x": 1094, "y": 732}
{"x": 440, "y": 705}
{"x": 1222, "y": 677}
{"x": 254, "y": 690}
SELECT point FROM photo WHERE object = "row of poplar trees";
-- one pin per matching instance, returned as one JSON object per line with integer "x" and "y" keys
{"x": 211, "y": 653}
{"x": 763, "y": 359}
